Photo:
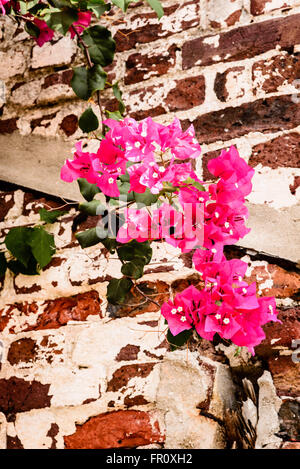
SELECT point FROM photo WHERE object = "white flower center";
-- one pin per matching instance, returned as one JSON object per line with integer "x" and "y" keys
{"x": 144, "y": 133}
{"x": 217, "y": 215}
{"x": 183, "y": 318}
{"x": 218, "y": 316}
{"x": 271, "y": 309}
{"x": 214, "y": 251}
{"x": 110, "y": 181}
{"x": 137, "y": 144}
{"x": 161, "y": 169}
{"x": 226, "y": 321}
{"x": 173, "y": 311}
{"x": 155, "y": 175}
{"x": 245, "y": 290}
{"x": 226, "y": 224}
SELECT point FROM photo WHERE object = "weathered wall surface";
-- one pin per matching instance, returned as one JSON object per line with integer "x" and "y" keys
{"x": 71, "y": 366}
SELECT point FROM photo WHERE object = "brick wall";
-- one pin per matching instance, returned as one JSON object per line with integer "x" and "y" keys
{"x": 72, "y": 366}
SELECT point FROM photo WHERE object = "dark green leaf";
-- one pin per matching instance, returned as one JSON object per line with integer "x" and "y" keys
{"x": 32, "y": 29}
{"x": 156, "y": 5}
{"x": 62, "y": 20}
{"x": 42, "y": 245}
{"x": 178, "y": 340}
{"x": 88, "y": 191}
{"x": 88, "y": 121}
{"x": 147, "y": 198}
{"x": 110, "y": 244}
{"x": 133, "y": 250}
{"x": 100, "y": 44}
{"x": 98, "y": 7}
{"x": 89, "y": 237}
{"x": 118, "y": 289}
{"x": 16, "y": 242}
{"x": 3, "y": 264}
{"x": 86, "y": 81}
{"x": 123, "y": 4}
{"x": 51, "y": 216}
{"x": 18, "y": 268}
{"x": 94, "y": 207}
{"x": 118, "y": 95}
{"x": 134, "y": 269}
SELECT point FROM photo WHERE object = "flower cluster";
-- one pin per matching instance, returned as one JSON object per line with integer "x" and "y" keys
{"x": 226, "y": 305}
{"x": 189, "y": 214}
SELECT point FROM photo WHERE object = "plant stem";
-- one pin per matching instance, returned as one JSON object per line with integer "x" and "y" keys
{"x": 147, "y": 297}
{"x": 90, "y": 64}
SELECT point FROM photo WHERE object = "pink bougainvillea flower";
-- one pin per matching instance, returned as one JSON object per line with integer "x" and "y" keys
{"x": 2, "y": 3}
{"x": 80, "y": 167}
{"x": 46, "y": 34}
{"x": 180, "y": 313}
{"x": 84, "y": 19}
{"x": 139, "y": 226}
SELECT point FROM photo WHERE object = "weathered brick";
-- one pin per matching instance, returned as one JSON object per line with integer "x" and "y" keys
{"x": 231, "y": 84}
{"x": 8, "y": 126}
{"x": 144, "y": 28}
{"x": 275, "y": 281}
{"x": 280, "y": 335}
{"x": 222, "y": 13}
{"x": 129, "y": 352}
{"x": 23, "y": 350}
{"x": 264, "y": 115}
{"x": 19, "y": 395}
{"x": 258, "y": 7}
{"x": 268, "y": 76}
{"x": 139, "y": 66}
{"x": 127, "y": 429}
{"x": 69, "y": 124}
{"x": 267, "y": 153}
{"x": 243, "y": 42}
{"x": 188, "y": 93}
{"x": 6, "y": 203}
{"x": 123, "y": 375}
{"x": 290, "y": 445}
{"x": 286, "y": 375}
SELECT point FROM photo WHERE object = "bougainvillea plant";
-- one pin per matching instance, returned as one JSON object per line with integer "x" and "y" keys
{"x": 144, "y": 170}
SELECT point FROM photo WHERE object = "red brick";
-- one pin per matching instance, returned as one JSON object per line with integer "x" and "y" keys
{"x": 258, "y": 7}
{"x": 8, "y": 126}
{"x": 275, "y": 72}
{"x": 127, "y": 38}
{"x": 5, "y": 206}
{"x": 281, "y": 152}
{"x": 285, "y": 284}
{"x": 123, "y": 375}
{"x": 127, "y": 429}
{"x": 18, "y": 395}
{"x": 280, "y": 335}
{"x": 243, "y": 42}
{"x": 286, "y": 375}
{"x": 23, "y": 350}
{"x": 69, "y": 124}
{"x": 139, "y": 67}
{"x": 129, "y": 352}
{"x": 221, "y": 84}
{"x": 188, "y": 93}
{"x": 264, "y": 115}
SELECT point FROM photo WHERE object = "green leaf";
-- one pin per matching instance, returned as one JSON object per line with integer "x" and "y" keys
{"x": 62, "y": 20}
{"x": 88, "y": 238}
{"x": 133, "y": 250}
{"x": 98, "y": 7}
{"x": 118, "y": 95}
{"x": 123, "y": 4}
{"x": 51, "y": 216}
{"x": 93, "y": 208}
{"x": 18, "y": 268}
{"x": 88, "y": 191}
{"x": 100, "y": 44}
{"x": 134, "y": 269}
{"x": 118, "y": 289}
{"x": 147, "y": 198}
{"x": 157, "y": 7}
{"x": 42, "y": 245}
{"x": 3, "y": 264}
{"x": 178, "y": 340}
{"x": 88, "y": 121}
{"x": 110, "y": 244}
{"x": 86, "y": 81}
{"x": 16, "y": 242}
{"x": 115, "y": 115}
{"x": 32, "y": 29}
{"x": 194, "y": 183}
